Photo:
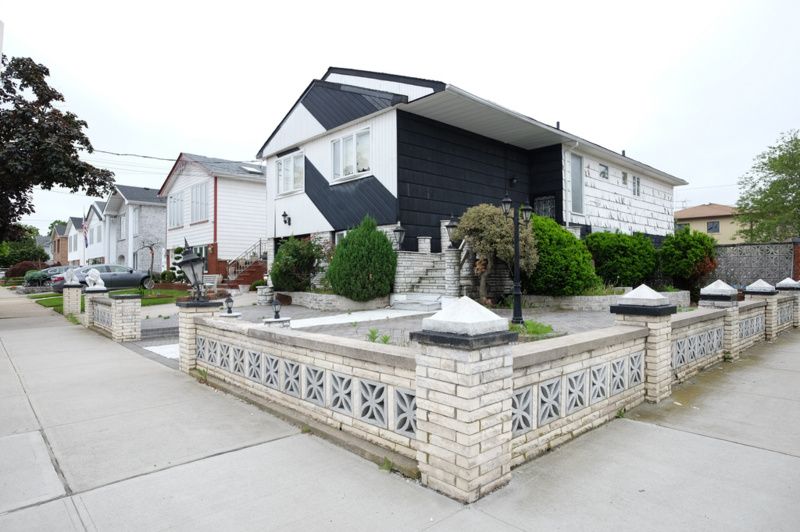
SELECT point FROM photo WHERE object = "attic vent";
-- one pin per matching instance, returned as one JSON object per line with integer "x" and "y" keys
{"x": 251, "y": 170}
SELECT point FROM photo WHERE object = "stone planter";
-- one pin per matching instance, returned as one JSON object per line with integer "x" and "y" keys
{"x": 594, "y": 303}
{"x": 334, "y": 302}
{"x": 264, "y": 295}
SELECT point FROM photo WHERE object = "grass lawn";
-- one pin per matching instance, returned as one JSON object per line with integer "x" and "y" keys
{"x": 530, "y": 328}
{"x": 150, "y": 297}
{"x": 43, "y": 296}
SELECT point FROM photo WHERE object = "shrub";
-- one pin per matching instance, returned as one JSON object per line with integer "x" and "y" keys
{"x": 22, "y": 251}
{"x": 687, "y": 256}
{"x": 622, "y": 260}
{"x": 565, "y": 265}
{"x": 167, "y": 276}
{"x": 363, "y": 263}
{"x": 295, "y": 264}
{"x": 35, "y": 278}
{"x": 254, "y": 284}
{"x": 21, "y": 268}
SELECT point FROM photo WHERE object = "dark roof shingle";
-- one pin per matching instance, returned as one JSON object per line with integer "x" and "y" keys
{"x": 217, "y": 166}
{"x": 140, "y": 194}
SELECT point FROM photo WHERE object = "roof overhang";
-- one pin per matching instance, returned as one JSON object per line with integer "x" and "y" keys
{"x": 459, "y": 108}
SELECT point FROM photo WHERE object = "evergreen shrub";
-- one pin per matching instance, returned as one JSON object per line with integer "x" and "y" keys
{"x": 622, "y": 260}
{"x": 363, "y": 264}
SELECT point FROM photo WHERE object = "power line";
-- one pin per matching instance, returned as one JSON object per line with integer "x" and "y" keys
{"x": 153, "y": 157}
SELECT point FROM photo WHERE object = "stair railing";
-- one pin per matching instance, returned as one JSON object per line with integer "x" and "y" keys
{"x": 255, "y": 253}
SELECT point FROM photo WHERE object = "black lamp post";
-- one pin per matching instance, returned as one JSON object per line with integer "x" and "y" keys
{"x": 276, "y": 307}
{"x": 399, "y": 234}
{"x": 192, "y": 266}
{"x": 506, "y": 203}
{"x": 451, "y": 227}
{"x": 229, "y": 304}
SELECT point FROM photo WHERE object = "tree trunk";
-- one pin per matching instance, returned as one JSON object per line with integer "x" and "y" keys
{"x": 484, "y": 280}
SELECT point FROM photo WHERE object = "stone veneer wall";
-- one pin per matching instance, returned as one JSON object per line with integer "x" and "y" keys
{"x": 411, "y": 265}
{"x": 361, "y": 388}
{"x": 566, "y": 386}
{"x": 697, "y": 341}
{"x": 752, "y": 323}
{"x": 334, "y": 302}
{"x": 594, "y": 303}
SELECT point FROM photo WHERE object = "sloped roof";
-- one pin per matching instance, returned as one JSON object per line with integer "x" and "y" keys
{"x": 707, "y": 210}
{"x": 100, "y": 205}
{"x": 215, "y": 166}
{"x": 140, "y": 194}
{"x": 42, "y": 240}
{"x": 76, "y": 221}
{"x": 61, "y": 229}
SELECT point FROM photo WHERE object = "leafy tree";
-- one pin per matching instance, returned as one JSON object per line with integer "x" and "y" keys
{"x": 565, "y": 265}
{"x": 490, "y": 235}
{"x": 295, "y": 264}
{"x": 53, "y": 224}
{"x": 363, "y": 263}
{"x": 622, "y": 260}
{"x": 769, "y": 201}
{"x": 687, "y": 256}
{"x": 39, "y": 143}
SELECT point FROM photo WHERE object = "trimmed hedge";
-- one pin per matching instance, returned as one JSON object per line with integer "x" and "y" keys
{"x": 687, "y": 256}
{"x": 622, "y": 260}
{"x": 565, "y": 265}
{"x": 363, "y": 264}
{"x": 294, "y": 265}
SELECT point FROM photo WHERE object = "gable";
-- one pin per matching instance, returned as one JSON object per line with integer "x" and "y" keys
{"x": 410, "y": 87}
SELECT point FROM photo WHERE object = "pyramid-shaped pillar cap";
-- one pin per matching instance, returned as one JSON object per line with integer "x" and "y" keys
{"x": 760, "y": 287}
{"x": 718, "y": 288}
{"x": 465, "y": 317}
{"x": 788, "y": 283}
{"x": 643, "y": 296}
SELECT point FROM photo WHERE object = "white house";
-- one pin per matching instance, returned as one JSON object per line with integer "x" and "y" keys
{"x": 417, "y": 151}
{"x": 75, "y": 242}
{"x": 218, "y": 206}
{"x": 134, "y": 228}
{"x": 95, "y": 235}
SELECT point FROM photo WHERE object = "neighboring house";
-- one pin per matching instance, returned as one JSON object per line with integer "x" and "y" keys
{"x": 58, "y": 244}
{"x": 417, "y": 151}
{"x": 133, "y": 229}
{"x": 75, "y": 242}
{"x": 45, "y": 243}
{"x": 714, "y": 219}
{"x": 217, "y": 206}
{"x": 95, "y": 234}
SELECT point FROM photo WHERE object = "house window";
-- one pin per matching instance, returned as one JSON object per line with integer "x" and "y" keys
{"x": 576, "y": 173}
{"x": 604, "y": 171}
{"x": 135, "y": 221}
{"x": 291, "y": 173}
{"x": 625, "y": 178}
{"x": 712, "y": 226}
{"x": 680, "y": 227}
{"x": 637, "y": 186}
{"x": 338, "y": 236}
{"x": 200, "y": 202}
{"x": 123, "y": 227}
{"x": 351, "y": 155}
{"x": 175, "y": 209}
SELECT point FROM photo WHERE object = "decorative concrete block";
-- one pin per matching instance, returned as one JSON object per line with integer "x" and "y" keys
{"x": 465, "y": 317}
{"x": 643, "y": 296}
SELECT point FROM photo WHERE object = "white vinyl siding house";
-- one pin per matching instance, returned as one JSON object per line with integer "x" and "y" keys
{"x": 95, "y": 252}
{"x": 75, "y": 244}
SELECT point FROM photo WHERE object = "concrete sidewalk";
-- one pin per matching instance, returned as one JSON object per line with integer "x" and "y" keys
{"x": 94, "y": 436}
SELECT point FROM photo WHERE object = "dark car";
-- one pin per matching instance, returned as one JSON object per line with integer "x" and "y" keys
{"x": 113, "y": 276}
{"x": 52, "y": 271}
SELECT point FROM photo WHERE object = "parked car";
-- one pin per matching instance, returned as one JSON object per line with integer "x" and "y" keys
{"x": 113, "y": 276}
{"x": 52, "y": 271}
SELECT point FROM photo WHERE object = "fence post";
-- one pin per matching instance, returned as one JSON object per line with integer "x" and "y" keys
{"x": 72, "y": 299}
{"x": 763, "y": 291}
{"x": 452, "y": 272}
{"x": 720, "y": 294}
{"x": 646, "y": 307}
{"x": 91, "y": 294}
{"x": 464, "y": 388}
{"x": 187, "y": 331}
{"x": 126, "y": 317}
{"x": 789, "y": 285}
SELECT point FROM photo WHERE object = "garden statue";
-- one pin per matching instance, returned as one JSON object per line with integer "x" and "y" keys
{"x": 70, "y": 277}
{"x": 94, "y": 281}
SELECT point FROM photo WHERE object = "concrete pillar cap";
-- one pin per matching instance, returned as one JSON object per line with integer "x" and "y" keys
{"x": 788, "y": 283}
{"x": 643, "y": 296}
{"x": 718, "y": 288}
{"x": 760, "y": 286}
{"x": 465, "y": 317}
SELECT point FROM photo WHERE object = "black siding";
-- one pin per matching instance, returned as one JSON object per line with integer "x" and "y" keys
{"x": 443, "y": 170}
{"x": 345, "y": 205}
{"x": 333, "y": 104}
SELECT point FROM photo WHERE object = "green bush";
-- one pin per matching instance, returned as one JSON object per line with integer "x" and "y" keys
{"x": 565, "y": 265}
{"x": 622, "y": 260}
{"x": 363, "y": 263}
{"x": 295, "y": 265}
{"x": 254, "y": 284}
{"x": 687, "y": 256}
{"x": 167, "y": 276}
{"x": 13, "y": 252}
{"x": 35, "y": 278}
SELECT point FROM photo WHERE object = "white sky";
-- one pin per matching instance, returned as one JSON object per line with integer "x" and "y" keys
{"x": 696, "y": 88}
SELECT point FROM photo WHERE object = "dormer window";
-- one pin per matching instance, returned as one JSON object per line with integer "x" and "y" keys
{"x": 351, "y": 155}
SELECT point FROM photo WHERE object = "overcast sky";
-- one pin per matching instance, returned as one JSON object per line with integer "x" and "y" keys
{"x": 696, "y": 89}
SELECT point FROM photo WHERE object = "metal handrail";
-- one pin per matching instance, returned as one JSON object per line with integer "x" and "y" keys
{"x": 251, "y": 255}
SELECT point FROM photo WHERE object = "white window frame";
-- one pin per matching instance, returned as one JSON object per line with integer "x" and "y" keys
{"x": 636, "y": 185}
{"x": 200, "y": 208}
{"x": 175, "y": 210}
{"x": 281, "y": 165}
{"x": 337, "y": 147}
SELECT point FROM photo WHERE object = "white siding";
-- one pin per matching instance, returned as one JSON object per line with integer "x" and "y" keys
{"x": 198, "y": 234}
{"x": 305, "y": 216}
{"x": 610, "y": 205}
{"x": 75, "y": 247}
{"x": 299, "y": 125}
{"x": 412, "y": 91}
{"x": 96, "y": 249}
{"x": 241, "y": 220}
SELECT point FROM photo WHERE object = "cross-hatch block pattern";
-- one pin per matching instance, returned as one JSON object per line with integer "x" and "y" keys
{"x": 363, "y": 399}
{"x": 697, "y": 346}
{"x": 751, "y": 326}
{"x": 785, "y": 313}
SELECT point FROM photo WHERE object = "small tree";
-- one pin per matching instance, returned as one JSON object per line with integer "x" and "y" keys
{"x": 363, "y": 264}
{"x": 490, "y": 235}
{"x": 295, "y": 264}
{"x": 622, "y": 260}
{"x": 565, "y": 265}
{"x": 687, "y": 256}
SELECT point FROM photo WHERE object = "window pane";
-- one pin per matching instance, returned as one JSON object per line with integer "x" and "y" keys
{"x": 576, "y": 174}
{"x": 279, "y": 173}
{"x": 337, "y": 159}
{"x": 348, "y": 155}
{"x": 298, "y": 172}
{"x": 362, "y": 151}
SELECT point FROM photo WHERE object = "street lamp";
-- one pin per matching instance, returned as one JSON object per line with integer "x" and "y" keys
{"x": 399, "y": 234}
{"x": 276, "y": 307}
{"x": 526, "y": 210}
{"x": 192, "y": 266}
{"x": 451, "y": 227}
{"x": 229, "y": 304}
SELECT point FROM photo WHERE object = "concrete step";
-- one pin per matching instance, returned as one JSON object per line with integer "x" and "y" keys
{"x": 418, "y": 305}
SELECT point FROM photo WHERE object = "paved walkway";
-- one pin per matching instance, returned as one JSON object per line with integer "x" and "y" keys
{"x": 93, "y": 436}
